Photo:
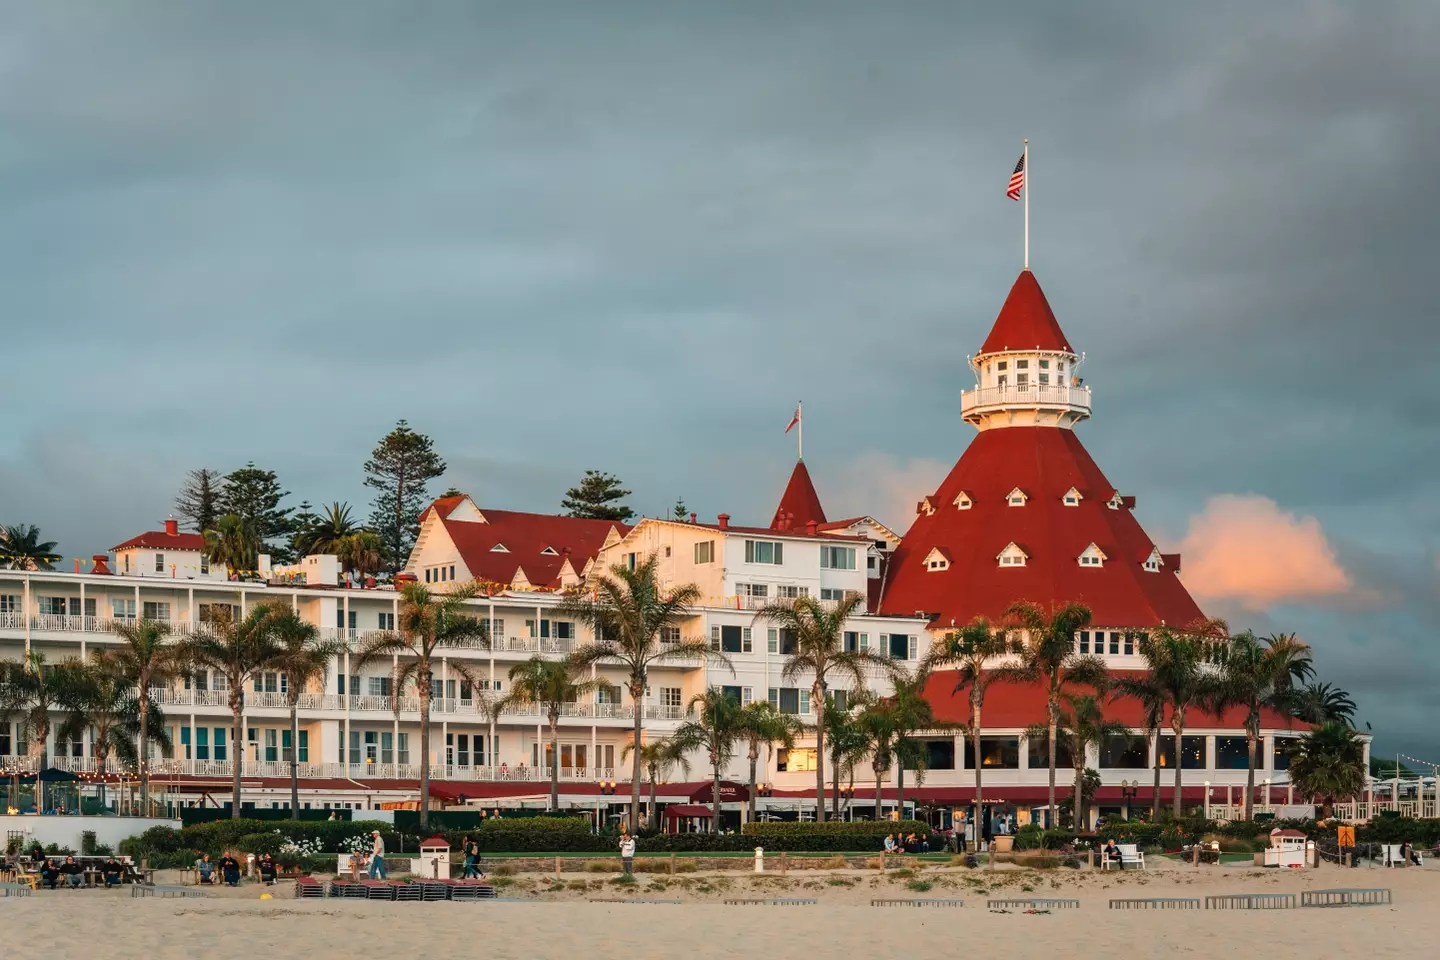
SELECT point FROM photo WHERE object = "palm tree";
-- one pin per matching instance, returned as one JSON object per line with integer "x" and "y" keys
{"x": 549, "y": 685}
{"x": 1048, "y": 657}
{"x": 1145, "y": 689}
{"x": 714, "y": 726}
{"x": 762, "y": 724}
{"x": 817, "y": 652}
{"x": 972, "y": 652}
{"x": 147, "y": 658}
{"x": 626, "y": 612}
{"x": 22, "y": 549}
{"x": 848, "y": 742}
{"x": 234, "y": 543}
{"x": 362, "y": 553}
{"x": 877, "y": 718}
{"x": 1256, "y": 674}
{"x": 1320, "y": 703}
{"x": 28, "y": 692}
{"x": 658, "y": 757}
{"x": 96, "y": 694}
{"x": 300, "y": 656}
{"x": 427, "y": 621}
{"x": 236, "y": 650}
{"x": 1082, "y": 725}
{"x": 1179, "y": 668}
{"x": 331, "y": 529}
{"x": 1328, "y": 762}
{"x": 910, "y": 713}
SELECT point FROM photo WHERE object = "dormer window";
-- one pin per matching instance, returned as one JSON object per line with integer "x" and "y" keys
{"x": 1016, "y": 497}
{"x": 1002, "y": 365}
{"x": 1012, "y": 556}
{"x": 550, "y": 552}
{"x": 937, "y": 559}
{"x": 1115, "y": 503}
{"x": 1154, "y": 562}
{"x": 1092, "y": 557}
{"x": 963, "y": 501}
{"x": 499, "y": 548}
{"x": 925, "y": 507}
{"x": 1072, "y": 498}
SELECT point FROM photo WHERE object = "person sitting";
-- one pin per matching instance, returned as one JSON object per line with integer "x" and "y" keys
{"x": 1111, "y": 852}
{"x": 113, "y": 872}
{"x": 49, "y": 874}
{"x": 230, "y": 870}
{"x": 267, "y": 869}
{"x": 73, "y": 872}
{"x": 889, "y": 843}
{"x": 205, "y": 870}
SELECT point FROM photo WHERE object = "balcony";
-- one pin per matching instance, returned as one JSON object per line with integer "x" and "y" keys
{"x": 985, "y": 400}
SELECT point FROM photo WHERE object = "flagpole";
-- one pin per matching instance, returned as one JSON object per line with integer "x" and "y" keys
{"x": 1027, "y": 203}
{"x": 800, "y": 429}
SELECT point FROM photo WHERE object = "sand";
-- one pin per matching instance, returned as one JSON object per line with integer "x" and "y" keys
{"x": 235, "y": 923}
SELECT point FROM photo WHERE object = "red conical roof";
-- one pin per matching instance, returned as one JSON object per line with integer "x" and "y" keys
{"x": 1044, "y": 462}
{"x": 1026, "y": 321}
{"x": 800, "y": 504}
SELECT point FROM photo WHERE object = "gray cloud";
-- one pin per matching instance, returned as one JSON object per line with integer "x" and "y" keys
{"x": 630, "y": 235}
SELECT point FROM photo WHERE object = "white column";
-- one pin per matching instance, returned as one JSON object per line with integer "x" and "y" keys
{"x": 345, "y": 734}
{"x": 83, "y": 625}
{"x": 25, "y": 610}
{"x": 594, "y": 751}
{"x": 445, "y": 718}
{"x": 190, "y": 760}
{"x": 191, "y": 592}
{"x": 395, "y": 723}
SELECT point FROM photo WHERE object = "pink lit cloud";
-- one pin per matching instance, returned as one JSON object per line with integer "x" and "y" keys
{"x": 1245, "y": 550}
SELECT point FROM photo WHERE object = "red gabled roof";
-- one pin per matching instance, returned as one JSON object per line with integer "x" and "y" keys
{"x": 1045, "y": 462}
{"x": 800, "y": 504}
{"x": 1026, "y": 321}
{"x": 1010, "y": 706}
{"x": 525, "y": 537}
{"x": 160, "y": 540}
{"x": 443, "y": 506}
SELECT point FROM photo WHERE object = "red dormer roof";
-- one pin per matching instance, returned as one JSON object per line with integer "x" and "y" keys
{"x": 537, "y": 543}
{"x": 1026, "y": 321}
{"x": 1045, "y": 461}
{"x": 160, "y": 540}
{"x": 800, "y": 504}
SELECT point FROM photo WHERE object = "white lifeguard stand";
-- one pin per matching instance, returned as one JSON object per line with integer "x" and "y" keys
{"x": 434, "y": 860}
{"x": 1287, "y": 849}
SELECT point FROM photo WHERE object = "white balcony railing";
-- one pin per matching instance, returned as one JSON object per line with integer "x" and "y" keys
{"x": 1030, "y": 395}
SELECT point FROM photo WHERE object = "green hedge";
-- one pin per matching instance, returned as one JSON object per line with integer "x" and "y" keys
{"x": 165, "y": 847}
{"x": 835, "y": 828}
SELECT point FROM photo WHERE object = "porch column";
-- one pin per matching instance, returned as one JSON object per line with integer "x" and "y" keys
{"x": 345, "y": 734}
{"x": 190, "y": 759}
{"x": 395, "y": 723}
{"x": 191, "y": 604}
{"x": 594, "y": 752}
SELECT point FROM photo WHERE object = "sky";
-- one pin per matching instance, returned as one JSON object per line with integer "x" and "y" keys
{"x": 628, "y": 236}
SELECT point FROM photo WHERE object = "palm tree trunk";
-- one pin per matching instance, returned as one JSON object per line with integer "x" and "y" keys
{"x": 1050, "y": 818}
{"x": 554, "y": 760}
{"x": 1155, "y": 804}
{"x": 900, "y": 790}
{"x": 975, "y": 747}
{"x": 294, "y": 755}
{"x": 817, "y": 699}
{"x": 1250, "y": 777}
{"x": 715, "y": 794}
{"x": 237, "y": 737}
{"x": 1078, "y": 804}
{"x": 834, "y": 788}
{"x": 754, "y": 758}
{"x": 143, "y": 762}
{"x": 1179, "y": 727}
{"x": 650, "y": 812}
{"x": 637, "y": 694}
{"x": 424, "y": 744}
{"x": 879, "y": 794}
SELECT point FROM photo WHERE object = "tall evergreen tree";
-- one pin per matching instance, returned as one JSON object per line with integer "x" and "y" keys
{"x": 302, "y": 532}
{"x": 254, "y": 496}
{"x": 399, "y": 468}
{"x": 198, "y": 502}
{"x": 680, "y": 512}
{"x": 594, "y": 498}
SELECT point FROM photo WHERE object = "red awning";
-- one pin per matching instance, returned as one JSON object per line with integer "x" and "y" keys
{"x": 676, "y": 811}
{"x": 729, "y": 792}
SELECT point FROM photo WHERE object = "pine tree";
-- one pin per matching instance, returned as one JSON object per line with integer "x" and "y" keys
{"x": 254, "y": 496}
{"x": 302, "y": 533}
{"x": 681, "y": 512}
{"x": 399, "y": 467}
{"x": 452, "y": 492}
{"x": 198, "y": 502}
{"x": 595, "y": 498}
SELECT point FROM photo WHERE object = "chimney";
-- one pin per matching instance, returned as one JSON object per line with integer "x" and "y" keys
{"x": 724, "y": 519}
{"x": 692, "y": 518}
{"x": 811, "y": 527}
{"x": 102, "y": 564}
{"x": 404, "y": 578}
{"x": 172, "y": 527}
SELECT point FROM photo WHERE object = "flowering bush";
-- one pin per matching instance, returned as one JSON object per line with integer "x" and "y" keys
{"x": 356, "y": 844}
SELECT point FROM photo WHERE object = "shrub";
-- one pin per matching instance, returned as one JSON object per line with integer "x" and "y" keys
{"x": 1030, "y": 837}
{"x": 834, "y": 828}
{"x": 87, "y": 842}
{"x": 919, "y": 886}
{"x": 258, "y": 843}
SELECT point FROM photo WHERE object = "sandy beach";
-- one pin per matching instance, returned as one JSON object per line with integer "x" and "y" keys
{"x": 566, "y": 923}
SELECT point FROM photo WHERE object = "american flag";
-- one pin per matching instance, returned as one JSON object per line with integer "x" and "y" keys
{"x": 1017, "y": 179}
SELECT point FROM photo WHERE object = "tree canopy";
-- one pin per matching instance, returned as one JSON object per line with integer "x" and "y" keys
{"x": 596, "y": 498}
{"x": 399, "y": 468}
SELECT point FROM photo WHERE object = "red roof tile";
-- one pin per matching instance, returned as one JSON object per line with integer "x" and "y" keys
{"x": 525, "y": 537}
{"x": 1026, "y": 321}
{"x": 800, "y": 504}
{"x": 1046, "y": 462}
{"x": 160, "y": 540}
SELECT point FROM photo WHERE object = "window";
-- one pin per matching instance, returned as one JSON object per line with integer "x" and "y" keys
{"x": 1114, "y": 643}
{"x": 996, "y": 753}
{"x": 385, "y": 621}
{"x": 219, "y": 612}
{"x": 220, "y": 744}
{"x": 499, "y": 548}
{"x": 1115, "y": 503}
{"x": 629, "y": 561}
{"x": 963, "y": 501}
{"x": 202, "y": 743}
{"x": 1087, "y": 560}
{"x": 835, "y": 593}
{"x": 547, "y": 552}
{"x": 939, "y": 754}
{"x": 839, "y": 700}
{"x": 731, "y": 693}
{"x": 786, "y": 592}
{"x": 790, "y": 700}
{"x": 1280, "y": 752}
{"x": 937, "y": 560}
{"x": 837, "y": 558}
{"x": 705, "y": 552}
{"x": 122, "y": 609}
{"x": 1125, "y": 753}
{"x": 855, "y": 642}
{"x": 608, "y": 694}
{"x": 899, "y": 646}
{"x": 1002, "y": 365}
{"x": 1037, "y": 753}
{"x": 1022, "y": 380}
{"x": 340, "y": 618}
{"x": 51, "y": 606}
{"x": 1233, "y": 753}
{"x": 378, "y": 686}
{"x": 204, "y": 562}
{"x": 156, "y": 610}
{"x": 764, "y": 551}
{"x": 758, "y": 591}
{"x": 1016, "y": 497}
{"x": 404, "y": 751}
{"x": 1022, "y": 364}
{"x": 670, "y": 697}
{"x": 387, "y": 746}
{"x": 9, "y": 603}
{"x": 670, "y": 634}
{"x": 272, "y": 746}
{"x": 1153, "y": 562}
{"x": 1072, "y": 498}
{"x": 795, "y": 760}
{"x": 159, "y": 563}
{"x": 1083, "y": 641}
{"x": 730, "y": 639}
{"x": 786, "y": 640}
{"x": 1192, "y": 753}
{"x": 1129, "y": 644}
{"x": 1012, "y": 556}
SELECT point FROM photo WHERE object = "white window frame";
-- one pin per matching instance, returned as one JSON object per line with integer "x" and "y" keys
{"x": 830, "y": 553}
{"x": 776, "y": 549}
{"x": 705, "y": 552}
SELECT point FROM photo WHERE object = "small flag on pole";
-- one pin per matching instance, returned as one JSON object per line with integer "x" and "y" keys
{"x": 793, "y": 420}
{"x": 1017, "y": 179}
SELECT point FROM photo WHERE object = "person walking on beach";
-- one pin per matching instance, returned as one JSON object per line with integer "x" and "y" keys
{"x": 471, "y": 849}
{"x": 377, "y": 857}
{"x": 627, "y": 852}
